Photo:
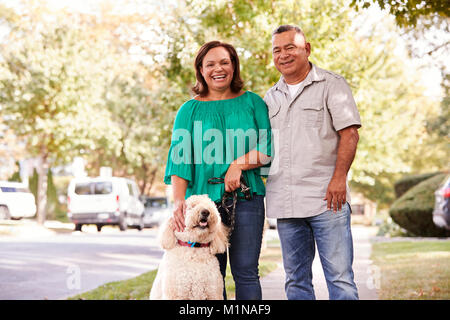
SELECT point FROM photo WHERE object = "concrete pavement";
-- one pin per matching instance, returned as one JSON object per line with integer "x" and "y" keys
{"x": 367, "y": 276}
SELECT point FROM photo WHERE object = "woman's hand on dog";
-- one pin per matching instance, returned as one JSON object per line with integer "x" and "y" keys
{"x": 178, "y": 215}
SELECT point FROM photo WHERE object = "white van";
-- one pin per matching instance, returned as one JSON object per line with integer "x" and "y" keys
{"x": 104, "y": 201}
{"x": 16, "y": 201}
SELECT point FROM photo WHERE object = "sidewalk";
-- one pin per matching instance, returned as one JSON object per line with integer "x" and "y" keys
{"x": 273, "y": 283}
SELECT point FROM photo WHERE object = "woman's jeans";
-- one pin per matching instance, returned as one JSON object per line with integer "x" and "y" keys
{"x": 331, "y": 231}
{"x": 244, "y": 249}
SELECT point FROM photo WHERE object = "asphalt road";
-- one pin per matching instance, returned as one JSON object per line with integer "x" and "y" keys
{"x": 57, "y": 266}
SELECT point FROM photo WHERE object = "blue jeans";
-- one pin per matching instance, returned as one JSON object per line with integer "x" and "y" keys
{"x": 244, "y": 249}
{"x": 331, "y": 231}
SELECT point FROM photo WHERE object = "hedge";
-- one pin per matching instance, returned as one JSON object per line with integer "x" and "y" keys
{"x": 413, "y": 210}
{"x": 407, "y": 182}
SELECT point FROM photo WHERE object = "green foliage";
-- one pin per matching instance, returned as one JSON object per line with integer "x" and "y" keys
{"x": 407, "y": 182}
{"x": 48, "y": 85}
{"x": 388, "y": 228}
{"x": 408, "y": 12}
{"x": 67, "y": 91}
{"x": 413, "y": 210}
{"x": 440, "y": 124}
{"x": 16, "y": 175}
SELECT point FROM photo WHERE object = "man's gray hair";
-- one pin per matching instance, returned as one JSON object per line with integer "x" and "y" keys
{"x": 288, "y": 27}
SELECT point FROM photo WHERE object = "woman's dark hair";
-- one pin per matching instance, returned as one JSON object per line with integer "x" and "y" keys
{"x": 201, "y": 88}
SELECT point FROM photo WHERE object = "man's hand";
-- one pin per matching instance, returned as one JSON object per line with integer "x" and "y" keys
{"x": 336, "y": 193}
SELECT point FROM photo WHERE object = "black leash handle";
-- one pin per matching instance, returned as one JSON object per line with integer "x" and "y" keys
{"x": 216, "y": 180}
{"x": 243, "y": 186}
{"x": 228, "y": 216}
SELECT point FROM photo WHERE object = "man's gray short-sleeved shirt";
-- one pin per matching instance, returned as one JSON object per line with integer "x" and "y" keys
{"x": 306, "y": 140}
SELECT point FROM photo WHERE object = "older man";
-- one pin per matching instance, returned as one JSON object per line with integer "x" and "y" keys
{"x": 315, "y": 117}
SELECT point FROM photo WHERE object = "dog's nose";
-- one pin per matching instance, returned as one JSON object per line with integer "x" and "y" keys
{"x": 205, "y": 214}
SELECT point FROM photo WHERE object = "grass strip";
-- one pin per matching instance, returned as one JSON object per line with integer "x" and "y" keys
{"x": 413, "y": 270}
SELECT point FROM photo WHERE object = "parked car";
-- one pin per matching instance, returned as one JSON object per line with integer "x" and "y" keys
{"x": 157, "y": 209}
{"x": 16, "y": 201}
{"x": 441, "y": 212}
{"x": 105, "y": 201}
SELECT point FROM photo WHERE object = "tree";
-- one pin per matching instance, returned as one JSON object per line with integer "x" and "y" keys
{"x": 408, "y": 12}
{"x": 128, "y": 98}
{"x": 11, "y": 150}
{"x": 49, "y": 92}
{"x": 136, "y": 94}
{"x": 139, "y": 110}
{"x": 426, "y": 27}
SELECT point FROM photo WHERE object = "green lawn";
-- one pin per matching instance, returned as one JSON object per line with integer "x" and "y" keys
{"x": 139, "y": 288}
{"x": 413, "y": 270}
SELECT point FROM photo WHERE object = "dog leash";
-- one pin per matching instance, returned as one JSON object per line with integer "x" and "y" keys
{"x": 230, "y": 210}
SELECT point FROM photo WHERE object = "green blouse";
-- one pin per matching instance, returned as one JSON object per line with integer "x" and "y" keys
{"x": 208, "y": 135}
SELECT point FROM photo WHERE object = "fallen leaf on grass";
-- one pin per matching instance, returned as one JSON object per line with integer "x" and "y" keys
{"x": 436, "y": 289}
{"x": 418, "y": 293}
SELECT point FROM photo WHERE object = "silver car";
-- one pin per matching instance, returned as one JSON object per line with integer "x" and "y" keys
{"x": 157, "y": 209}
{"x": 441, "y": 212}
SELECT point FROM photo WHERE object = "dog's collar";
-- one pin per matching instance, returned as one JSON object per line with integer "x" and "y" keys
{"x": 193, "y": 244}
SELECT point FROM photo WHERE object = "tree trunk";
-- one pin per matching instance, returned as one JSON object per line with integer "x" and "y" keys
{"x": 42, "y": 188}
{"x": 152, "y": 179}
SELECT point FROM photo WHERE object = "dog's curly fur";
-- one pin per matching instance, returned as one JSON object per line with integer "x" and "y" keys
{"x": 192, "y": 273}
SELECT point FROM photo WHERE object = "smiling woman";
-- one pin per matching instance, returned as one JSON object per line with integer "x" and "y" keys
{"x": 217, "y": 71}
{"x": 212, "y": 124}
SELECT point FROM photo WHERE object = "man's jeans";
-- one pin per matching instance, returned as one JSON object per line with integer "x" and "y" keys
{"x": 331, "y": 231}
{"x": 245, "y": 247}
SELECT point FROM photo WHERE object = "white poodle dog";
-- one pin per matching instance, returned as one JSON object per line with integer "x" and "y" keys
{"x": 189, "y": 269}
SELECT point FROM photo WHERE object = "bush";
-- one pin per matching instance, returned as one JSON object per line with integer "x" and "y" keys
{"x": 413, "y": 210}
{"x": 388, "y": 228}
{"x": 407, "y": 182}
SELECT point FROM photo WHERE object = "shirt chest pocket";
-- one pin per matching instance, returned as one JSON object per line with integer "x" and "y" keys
{"x": 311, "y": 114}
{"x": 274, "y": 116}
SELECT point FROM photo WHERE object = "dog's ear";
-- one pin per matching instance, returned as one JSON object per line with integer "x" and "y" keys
{"x": 167, "y": 237}
{"x": 219, "y": 243}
